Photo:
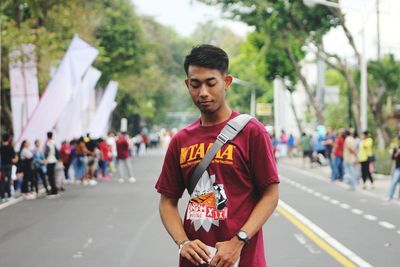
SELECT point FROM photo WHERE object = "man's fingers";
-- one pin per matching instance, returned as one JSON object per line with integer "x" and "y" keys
{"x": 196, "y": 251}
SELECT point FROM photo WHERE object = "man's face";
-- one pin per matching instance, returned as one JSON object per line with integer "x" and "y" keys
{"x": 207, "y": 87}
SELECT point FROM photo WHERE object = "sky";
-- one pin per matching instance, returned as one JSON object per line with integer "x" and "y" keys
{"x": 362, "y": 14}
{"x": 184, "y": 15}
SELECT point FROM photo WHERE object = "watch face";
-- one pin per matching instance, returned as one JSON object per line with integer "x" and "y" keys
{"x": 242, "y": 235}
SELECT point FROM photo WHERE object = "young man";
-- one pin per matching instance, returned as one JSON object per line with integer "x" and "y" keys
{"x": 238, "y": 191}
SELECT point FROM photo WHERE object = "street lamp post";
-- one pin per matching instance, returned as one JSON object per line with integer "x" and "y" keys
{"x": 363, "y": 67}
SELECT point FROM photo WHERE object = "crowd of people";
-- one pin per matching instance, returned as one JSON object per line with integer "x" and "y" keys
{"x": 348, "y": 155}
{"x": 80, "y": 161}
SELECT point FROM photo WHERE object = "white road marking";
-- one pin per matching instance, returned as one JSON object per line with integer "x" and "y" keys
{"x": 326, "y": 237}
{"x": 398, "y": 232}
{"x": 310, "y": 191}
{"x": 326, "y": 198}
{"x": 88, "y": 243}
{"x": 357, "y": 211}
{"x": 344, "y": 206}
{"x": 78, "y": 255}
{"x": 324, "y": 179}
{"x": 370, "y": 217}
{"x": 317, "y": 194}
{"x": 335, "y": 202}
{"x": 387, "y": 225}
{"x": 302, "y": 240}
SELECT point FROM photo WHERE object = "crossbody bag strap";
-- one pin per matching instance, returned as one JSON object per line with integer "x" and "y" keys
{"x": 229, "y": 132}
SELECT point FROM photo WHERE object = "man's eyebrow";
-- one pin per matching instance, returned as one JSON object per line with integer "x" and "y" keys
{"x": 197, "y": 80}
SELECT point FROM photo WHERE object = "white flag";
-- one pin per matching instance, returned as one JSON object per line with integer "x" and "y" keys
{"x": 24, "y": 86}
{"x": 99, "y": 124}
{"x": 71, "y": 123}
{"x": 77, "y": 59}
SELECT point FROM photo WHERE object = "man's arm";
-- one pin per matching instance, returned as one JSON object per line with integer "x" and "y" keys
{"x": 229, "y": 251}
{"x": 195, "y": 250}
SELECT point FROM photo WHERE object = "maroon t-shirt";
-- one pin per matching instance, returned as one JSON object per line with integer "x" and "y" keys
{"x": 230, "y": 188}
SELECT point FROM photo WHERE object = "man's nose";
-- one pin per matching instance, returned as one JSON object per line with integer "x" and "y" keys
{"x": 203, "y": 90}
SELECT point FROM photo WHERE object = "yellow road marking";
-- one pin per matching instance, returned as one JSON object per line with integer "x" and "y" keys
{"x": 315, "y": 238}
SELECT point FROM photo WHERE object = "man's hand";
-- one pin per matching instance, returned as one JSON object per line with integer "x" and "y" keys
{"x": 228, "y": 252}
{"x": 196, "y": 252}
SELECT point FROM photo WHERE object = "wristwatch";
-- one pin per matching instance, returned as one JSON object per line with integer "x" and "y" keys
{"x": 242, "y": 236}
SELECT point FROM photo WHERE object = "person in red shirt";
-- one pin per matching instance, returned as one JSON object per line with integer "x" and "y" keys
{"x": 65, "y": 154}
{"x": 124, "y": 164}
{"x": 338, "y": 148}
{"x": 239, "y": 190}
{"x": 105, "y": 159}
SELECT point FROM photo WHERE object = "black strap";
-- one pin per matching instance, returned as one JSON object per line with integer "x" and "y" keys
{"x": 229, "y": 132}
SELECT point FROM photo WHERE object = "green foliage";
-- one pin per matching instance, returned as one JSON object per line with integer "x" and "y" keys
{"x": 249, "y": 65}
{"x": 383, "y": 162}
{"x": 387, "y": 72}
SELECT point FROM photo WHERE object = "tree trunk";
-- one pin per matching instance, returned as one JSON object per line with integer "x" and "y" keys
{"x": 342, "y": 68}
{"x": 5, "y": 114}
{"x": 375, "y": 102}
{"x": 296, "y": 66}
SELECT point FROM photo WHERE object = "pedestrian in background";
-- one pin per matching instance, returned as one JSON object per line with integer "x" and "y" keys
{"x": 305, "y": 143}
{"x": 124, "y": 164}
{"x": 81, "y": 152}
{"x": 291, "y": 142}
{"x": 364, "y": 154}
{"x": 65, "y": 154}
{"x": 51, "y": 154}
{"x": 337, "y": 152}
{"x": 105, "y": 159}
{"x": 329, "y": 142}
{"x": 8, "y": 158}
{"x": 396, "y": 169}
{"x": 350, "y": 159}
{"x": 39, "y": 164}
{"x": 26, "y": 167}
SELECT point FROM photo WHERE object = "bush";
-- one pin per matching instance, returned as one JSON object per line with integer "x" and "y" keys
{"x": 383, "y": 162}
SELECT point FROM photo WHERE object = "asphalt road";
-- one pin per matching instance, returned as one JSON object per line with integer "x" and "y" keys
{"x": 113, "y": 224}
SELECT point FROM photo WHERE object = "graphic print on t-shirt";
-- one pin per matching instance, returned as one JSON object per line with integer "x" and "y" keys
{"x": 207, "y": 205}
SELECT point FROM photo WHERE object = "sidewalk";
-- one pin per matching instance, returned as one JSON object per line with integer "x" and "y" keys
{"x": 381, "y": 182}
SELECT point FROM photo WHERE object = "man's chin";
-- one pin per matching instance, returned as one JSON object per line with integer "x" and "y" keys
{"x": 206, "y": 111}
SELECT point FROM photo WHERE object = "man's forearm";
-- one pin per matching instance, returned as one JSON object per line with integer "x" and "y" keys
{"x": 262, "y": 211}
{"x": 172, "y": 220}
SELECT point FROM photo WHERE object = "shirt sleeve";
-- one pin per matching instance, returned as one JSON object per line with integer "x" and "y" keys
{"x": 262, "y": 160}
{"x": 170, "y": 182}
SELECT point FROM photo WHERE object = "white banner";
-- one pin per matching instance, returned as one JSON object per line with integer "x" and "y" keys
{"x": 99, "y": 124}
{"x": 71, "y": 123}
{"x": 77, "y": 59}
{"x": 24, "y": 85}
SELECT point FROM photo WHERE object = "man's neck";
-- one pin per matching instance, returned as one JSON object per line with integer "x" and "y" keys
{"x": 215, "y": 118}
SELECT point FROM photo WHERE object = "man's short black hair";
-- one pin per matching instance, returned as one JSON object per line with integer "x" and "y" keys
{"x": 207, "y": 56}
{"x": 49, "y": 135}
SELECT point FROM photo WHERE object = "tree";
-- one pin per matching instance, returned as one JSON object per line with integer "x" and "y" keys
{"x": 289, "y": 26}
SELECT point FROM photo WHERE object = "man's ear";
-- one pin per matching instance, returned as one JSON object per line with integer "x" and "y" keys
{"x": 187, "y": 83}
{"x": 228, "y": 81}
